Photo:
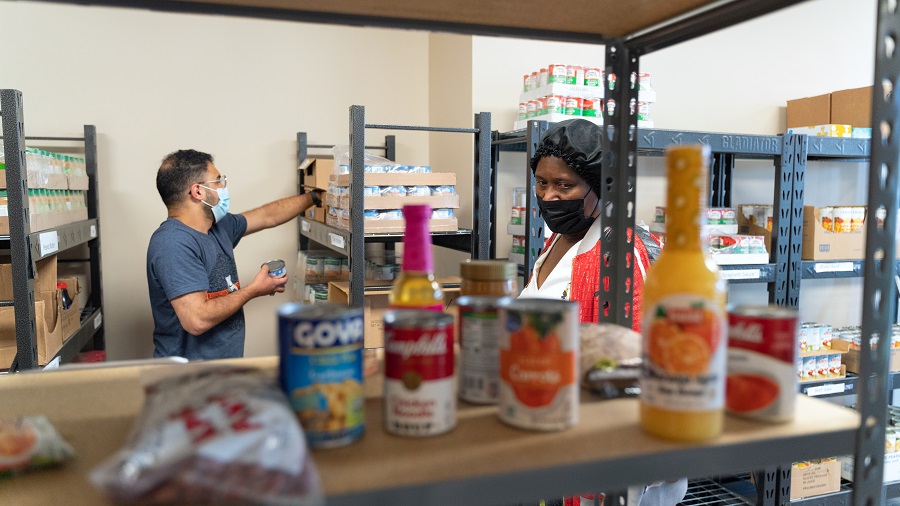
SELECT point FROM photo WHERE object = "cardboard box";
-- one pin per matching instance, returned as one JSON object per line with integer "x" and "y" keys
{"x": 821, "y": 244}
{"x": 70, "y": 318}
{"x": 809, "y": 111}
{"x": 851, "y": 357}
{"x": 400, "y": 179}
{"x": 317, "y": 213}
{"x": 316, "y": 172}
{"x": 376, "y": 303}
{"x": 852, "y": 107}
{"x": 814, "y": 478}
{"x": 78, "y": 182}
{"x": 891, "y": 467}
{"x": 395, "y": 201}
{"x": 829, "y": 130}
{"x": 393, "y": 226}
{"x": 746, "y": 227}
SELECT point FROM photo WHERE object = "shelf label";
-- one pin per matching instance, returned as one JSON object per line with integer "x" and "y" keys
{"x": 98, "y": 320}
{"x": 831, "y": 388}
{"x": 336, "y": 240}
{"x": 49, "y": 242}
{"x": 304, "y": 226}
{"x": 93, "y": 231}
{"x": 740, "y": 274}
{"x": 834, "y": 267}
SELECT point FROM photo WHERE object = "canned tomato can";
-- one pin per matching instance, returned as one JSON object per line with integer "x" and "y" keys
{"x": 276, "y": 268}
{"x": 556, "y": 104}
{"x": 592, "y": 107}
{"x": 857, "y": 217}
{"x": 574, "y": 106}
{"x": 322, "y": 370}
{"x": 539, "y": 364}
{"x": 479, "y": 363}
{"x": 593, "y": 77}
{"x": 826, "y": 218}
{"x": 842, "y": 216}
{"x": 542, "y": 78}
{"x": 557, "y": 73}
{"x": 419, "y": 397}
{"x": 762, "y": 362}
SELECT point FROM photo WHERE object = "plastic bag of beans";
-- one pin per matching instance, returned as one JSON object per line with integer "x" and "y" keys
{"x": 220, "y": 435}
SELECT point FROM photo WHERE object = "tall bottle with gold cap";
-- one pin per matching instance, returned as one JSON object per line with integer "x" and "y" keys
{"x": 684, "y": 324}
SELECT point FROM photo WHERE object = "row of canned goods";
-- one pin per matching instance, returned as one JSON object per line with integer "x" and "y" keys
{"x": 519, "y": 354}
{"x": 819, "y": 367}
{"x": 386, "y": 169}
{"x": 557, "y": 73}
{"x": 559, "y": 104}
{"x": 853, "y": 335}
{"x": 327, "y": 267}
{"x": 815, "y": 336}
{"x": 845, "y": 219}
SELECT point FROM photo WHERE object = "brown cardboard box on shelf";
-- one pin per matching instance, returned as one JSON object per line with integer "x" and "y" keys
{"x": 852, "y": 107}
{"x": 820, "y": 244}
{"x": 376, "y": 303}
{"x": 317, "y": 213}
{"x": 400, "y": 179}
{"x": 78, "y": 182}
{"x": 393, "y": 226}
{"x": 809, "y": 111}
{"x": 316, "y": 172}
{"x": 395, "y": 201}
{"x": 814, "y": 478}
{"x": 71, "y": 317}
{"x": 851, "y": 356}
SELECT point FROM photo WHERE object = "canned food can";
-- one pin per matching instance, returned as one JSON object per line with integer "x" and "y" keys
{"x": 542, "y": 78}
{"x": 880, "y": 215}
{"x": 371, "y": 191}
{"x": 592, "y": 107}
{"x": 557, "y": 73}
{"x": 523, "y": 111}
{"x": 541, "y": 108}
{"x": 762, "y": 362}
{"x": 538, "y": 364}
{"x": 418, "y": 191}
{"x": 526, "y": 82}
{"x": 575, "y": 75}
{"x": 809, "y": 369}
{"x": 531, "y": 109}
{"x": 315, "y": 266}
{"x": 826, "y": 218}
{"x": 574, "y": 106}
{"x": 857, "y": 217}
{"x": 842, "y": 216}
{"x": 535, "y": 79}
{"x": 479, "y": 364}
{"x": 332, "y": 267}
{"x": 419, "y": 398}
{"x": 277, "y": 268}
{"x": 345, "y": 268}
{"x": 320, "y": 294}
{"x": 321, "y": 370}
{"x": 556, "y": 104}
{"x": 593, "y": 77}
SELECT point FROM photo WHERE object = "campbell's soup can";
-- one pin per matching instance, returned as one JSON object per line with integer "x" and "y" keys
{"x": 762, "y": 362}
{"x": 531, "y": 108}
{"x": 593, "y": 77}
{"x": 479, "y": 363}
{"x": 575, "y": 75}
{"x": 542, "y": 77}
{"x": 556, "y": 103}
{"x": 538, "y": 364}
{"x": 321, "y": 370}
{"x": 573, "y": 106}
{"x": 557, "y": 73}
{"x": 541, "y": 106}
{"x": 592, "y": 107}
{"x": 527, "y": 84}
{"x": 523, "y": 111}
{"x": 419, "y": 397}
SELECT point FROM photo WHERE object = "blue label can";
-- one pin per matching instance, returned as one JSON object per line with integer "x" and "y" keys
{"x": 321, "y": 348}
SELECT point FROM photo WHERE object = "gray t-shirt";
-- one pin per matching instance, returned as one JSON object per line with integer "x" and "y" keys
{"x": 181, "y": 260}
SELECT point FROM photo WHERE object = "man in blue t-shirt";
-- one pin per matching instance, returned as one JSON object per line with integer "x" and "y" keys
{"x": 196, "y": 297}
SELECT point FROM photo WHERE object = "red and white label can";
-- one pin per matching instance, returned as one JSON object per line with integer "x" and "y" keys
{"x": 762, "y": 362}
{"x": 419, "y": 397}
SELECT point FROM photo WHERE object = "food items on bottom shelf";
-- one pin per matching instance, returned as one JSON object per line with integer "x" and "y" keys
{"x": 762, "y": 362}
{"x": 218, "y": 434}
{"x": 843, "y": 219}
{"x": 479, "y": 363}
{"x": 539, "y": 385}
{"x": 419, "y": 397}
{"x": 322, "y": 370}
{"x": 322, "y": 267}
{"x": 684, "y": 325}
{"x": 610, "y": 360}
{"x": 30, "y": 442}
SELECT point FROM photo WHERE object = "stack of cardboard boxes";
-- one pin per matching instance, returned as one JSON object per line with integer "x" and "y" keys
{"x": 845, "y": 113}
{"x": 54, "y": 323}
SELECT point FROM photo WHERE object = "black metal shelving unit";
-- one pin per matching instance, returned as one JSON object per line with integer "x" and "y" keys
{"x": 351, "y": 243}
{"x": 26, "y": 247}
{"x": 625, "y": 43}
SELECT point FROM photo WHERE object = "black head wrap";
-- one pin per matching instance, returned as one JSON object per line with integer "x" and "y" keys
{"x": 577, "y": 142}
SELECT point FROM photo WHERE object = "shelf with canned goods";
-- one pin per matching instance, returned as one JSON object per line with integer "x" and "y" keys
{"x": 38, "y": 224}
{"x": 338, "y": 239}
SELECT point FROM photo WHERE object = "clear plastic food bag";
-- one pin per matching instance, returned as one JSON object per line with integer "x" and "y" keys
{"x": 221, "y": 435}
{"x": 30, "y": 442}
{"x": 610, "y": 360}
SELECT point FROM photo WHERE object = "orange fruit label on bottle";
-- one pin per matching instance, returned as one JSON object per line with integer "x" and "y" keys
{"x": 684, "y": 354}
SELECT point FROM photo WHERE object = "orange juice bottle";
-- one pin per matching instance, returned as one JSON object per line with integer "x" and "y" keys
{"x": 415, "y": 287}
{"x": 684, "y": 324}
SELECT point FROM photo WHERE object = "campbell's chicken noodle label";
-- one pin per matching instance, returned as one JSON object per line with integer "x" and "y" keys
{"x": 592, "y": 107}
{"x": 762, "y": 362}
{"x": 593, "y": 77}
{"x": 684, "y": 354}
{"x": 556, "y": 103}
{"x": 557, "y": 73}
{"x": 419, "y": 396}
{"x": 574, "y": 106}
{"x": 538, "y": 364}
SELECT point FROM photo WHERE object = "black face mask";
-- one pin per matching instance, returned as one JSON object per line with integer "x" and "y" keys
{"x": 565, "y": 216}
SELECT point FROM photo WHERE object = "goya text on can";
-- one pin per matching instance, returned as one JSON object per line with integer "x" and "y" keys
{"x": 479, "y": 363}
{"x": 419, "y": 397}
{"x": 538, "y": 364}
{"x": 322, "y": 370}
{"x": 762, "y": 362}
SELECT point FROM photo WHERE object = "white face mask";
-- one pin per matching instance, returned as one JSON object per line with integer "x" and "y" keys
{"x": 221, "y": 208}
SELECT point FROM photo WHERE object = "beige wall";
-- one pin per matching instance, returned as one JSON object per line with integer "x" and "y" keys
{"x": 241, "y": 88}
{"x": 237, "y": 88}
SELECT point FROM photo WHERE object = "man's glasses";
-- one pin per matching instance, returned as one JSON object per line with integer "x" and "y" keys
{"x": 222, "y": 180}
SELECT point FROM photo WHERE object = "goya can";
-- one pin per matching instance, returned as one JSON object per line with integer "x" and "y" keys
{"x": 538, "y": 364}
{"x": 276, "y": 268}
{"x": 479, "y": 328}
{"x": 762, "y": 362}
{"x": 322, "y": 370}
{"x": 419, "y": 397}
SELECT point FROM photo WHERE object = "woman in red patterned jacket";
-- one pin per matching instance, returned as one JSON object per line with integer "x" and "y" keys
{"x": 566, "y": 168}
